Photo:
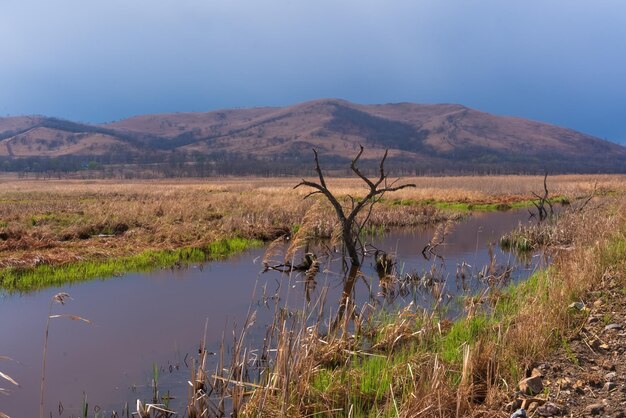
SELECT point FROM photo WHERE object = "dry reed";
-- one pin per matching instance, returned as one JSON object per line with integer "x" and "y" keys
{"x": 58, "y": 222}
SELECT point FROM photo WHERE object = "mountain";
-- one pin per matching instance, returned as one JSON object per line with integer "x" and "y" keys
{"x": 440, "y": 137}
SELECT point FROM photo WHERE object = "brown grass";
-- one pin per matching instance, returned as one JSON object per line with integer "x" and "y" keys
{"x": 57, "y": 222}
{"x": 422, "y": 382}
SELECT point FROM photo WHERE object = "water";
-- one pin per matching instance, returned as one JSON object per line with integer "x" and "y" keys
{"x": 141, "y": 320}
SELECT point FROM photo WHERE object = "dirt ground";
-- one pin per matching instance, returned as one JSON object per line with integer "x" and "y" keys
{"x": 587, "y": 375}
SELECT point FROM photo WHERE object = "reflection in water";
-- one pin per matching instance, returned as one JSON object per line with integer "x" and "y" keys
{"x": 160, "y": 318}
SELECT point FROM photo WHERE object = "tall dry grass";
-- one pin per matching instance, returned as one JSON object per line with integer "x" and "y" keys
{"x": 56, "y": 222}
{"x": 417, "y": 364}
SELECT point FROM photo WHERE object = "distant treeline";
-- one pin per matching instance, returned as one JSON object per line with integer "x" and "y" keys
{"x": 177, "y": 164}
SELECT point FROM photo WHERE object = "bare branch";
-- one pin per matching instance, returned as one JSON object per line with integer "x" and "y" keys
{"x": 537, "y": 196}
{"x": 351, "y": 229}
{"x": 351, "y": 201}
{"x": 393, "y": 189}
{"x": 588, "y": 199}
{"x": 331, "y": 198}
{"x": 318, "y": 169}
{"x": 383, "y": 176}
{"x": 358, "y": 172}
{"x": 312, "y": 193}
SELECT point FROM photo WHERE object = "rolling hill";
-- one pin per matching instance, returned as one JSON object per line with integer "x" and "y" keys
{"x": 420, "y": 138}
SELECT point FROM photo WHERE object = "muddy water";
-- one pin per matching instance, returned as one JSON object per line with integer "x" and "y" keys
{"x": 142, "y": 320}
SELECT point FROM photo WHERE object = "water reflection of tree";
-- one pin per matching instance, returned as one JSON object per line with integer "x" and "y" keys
{"x": 352, "y": 216}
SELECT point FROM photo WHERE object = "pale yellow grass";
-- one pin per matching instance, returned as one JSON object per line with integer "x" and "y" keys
{"x": 57, "y": 221}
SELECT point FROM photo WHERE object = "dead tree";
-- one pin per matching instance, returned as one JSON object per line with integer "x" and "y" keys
{"x": 543, "y": 200}
{"x": 350, "y": 226}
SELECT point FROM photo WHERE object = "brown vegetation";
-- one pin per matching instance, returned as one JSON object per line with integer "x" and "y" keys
{"x": 57, "y": 222}
{"x": 416, "y": 364}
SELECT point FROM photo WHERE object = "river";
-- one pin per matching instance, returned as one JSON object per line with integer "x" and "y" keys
{"x": 139, "y": 321}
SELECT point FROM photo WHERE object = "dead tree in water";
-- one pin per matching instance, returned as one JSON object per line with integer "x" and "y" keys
{"x": 543, "y": 200}
{"x": 350, "y": 226}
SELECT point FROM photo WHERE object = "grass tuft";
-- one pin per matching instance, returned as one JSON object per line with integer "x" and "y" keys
{"x": 45, "y": 275}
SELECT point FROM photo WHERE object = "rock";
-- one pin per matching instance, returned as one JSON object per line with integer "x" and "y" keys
{"x": 595, "y": 409}
{"x": 608, "y": 365}
{"x": 550, "y": 409}
{"x": 579, "y": 306}
{"x": 612, "y": 327}
{"x": 520, "y": 413}
{"x": 531, "y": 385}
{"x": 609, "y": 377}
{"x": 609, "y": 386}
{"x": 579, "y": 387}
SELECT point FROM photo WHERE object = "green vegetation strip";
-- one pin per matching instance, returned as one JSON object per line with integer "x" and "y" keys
{"x": 479, "y": 207}
{"x": 365, "y": 381}
{"x": 45, "y": 275}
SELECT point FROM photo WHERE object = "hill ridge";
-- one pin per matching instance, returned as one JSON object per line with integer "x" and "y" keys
{"x": 436, "y": 137}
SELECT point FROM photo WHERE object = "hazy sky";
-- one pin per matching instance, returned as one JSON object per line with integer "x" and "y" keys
{"x": 560, "y": 61}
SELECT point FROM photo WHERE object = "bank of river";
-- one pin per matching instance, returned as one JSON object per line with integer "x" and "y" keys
{"x": 158, "y": 318}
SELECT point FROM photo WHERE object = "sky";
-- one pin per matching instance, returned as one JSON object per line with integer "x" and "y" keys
{"x": 557, "y": 61}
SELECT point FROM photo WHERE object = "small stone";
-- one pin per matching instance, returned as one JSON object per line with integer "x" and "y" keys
{"x": 608, "y": 365}
{"x": 604, "y": 346}
{"x": 609, "y": 386}
{"x": 609, "y": 377}
{"x": 520, "y": 413}
{"x": 531, "y": 385}
{"x": 536, "y": 372}
{"x": 549, "y": 410}
{"x": 597, "y": 303}
{"x": 612, "y": 327}
{"x": 579, "y": 306}
{"x": 595, "y": 409}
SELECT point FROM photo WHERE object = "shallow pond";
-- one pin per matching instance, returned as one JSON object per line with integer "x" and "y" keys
{"x": 139, "y": 321}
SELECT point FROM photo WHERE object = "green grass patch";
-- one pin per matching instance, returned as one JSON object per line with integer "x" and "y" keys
{"x": 362, "y": 383}
{"x": 615, "y": 251}
{"x": 487, "y": 207}
{"x": 471, "y": 207}
{"x": 45, "y": 275}
{"x": 55, "y": 219}
{"x": 467, "y": 331}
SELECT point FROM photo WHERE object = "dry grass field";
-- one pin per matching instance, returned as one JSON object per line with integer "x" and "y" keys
{"x": 56, "y": 222}
{"x": 414, "y": 364}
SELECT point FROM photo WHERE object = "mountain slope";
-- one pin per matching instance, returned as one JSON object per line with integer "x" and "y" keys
{"x": 437, "y": 137}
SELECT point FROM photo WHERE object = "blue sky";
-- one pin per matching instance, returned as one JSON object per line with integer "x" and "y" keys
{"x": 559, "y": 61}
